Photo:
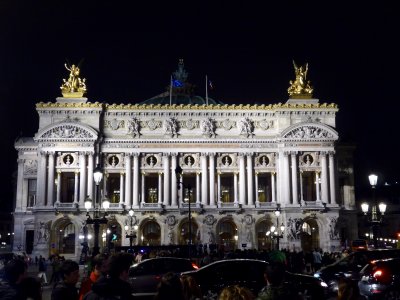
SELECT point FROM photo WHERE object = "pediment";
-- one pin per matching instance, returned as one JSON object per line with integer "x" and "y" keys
{"x": 67, "y": 130}
{"x": 310, "y": 131}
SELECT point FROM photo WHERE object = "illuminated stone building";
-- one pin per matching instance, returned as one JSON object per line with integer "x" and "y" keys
{"x": 240, "y": 164}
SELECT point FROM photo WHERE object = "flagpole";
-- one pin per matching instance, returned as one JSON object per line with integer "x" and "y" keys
{"x": 206, "y": 90}
{"x": 170, "y": 91}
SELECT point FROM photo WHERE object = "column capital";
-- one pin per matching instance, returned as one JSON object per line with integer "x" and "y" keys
{"x": 20, "y": 160}
{"x": 294, "y": 153}
{"x": 331, "y": 153}
{"x": 166, "y": 154}
{"x": 249, "y": 154}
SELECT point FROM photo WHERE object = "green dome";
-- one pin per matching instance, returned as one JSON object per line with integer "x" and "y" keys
{"x": 178, "y": 99}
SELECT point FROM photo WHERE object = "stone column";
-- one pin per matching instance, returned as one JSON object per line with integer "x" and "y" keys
{"x": 76, "y": 188}
{"x": 166, "y": 179}
{"x": 301, "y": 188}
{"x": 90, "y": 176}
{"x": 212, "y": 178}
{"x": 285, "y": 185}
{"x": 58, "y": 200}
{"x": 332, "y": 177}
{"x": 256, "y": 189}
{"x": 317, "y": 183}
{"x": 219, "y": 189}
{"x": 160, "y": 189}
{"x": 235, "y": 189}
{"x": 135, "y": 180}
{"x": 204, "y": 185}
{"x": 250, "y": 186}
{"x": 174, "y": 181}
{"x": 324, "y": 178}
{"x": 295, "y": 195}
{"x": 50, "y": 180}
{"x": 121, "y": 188}
{"x": 20, "y": 196}
{"x": 41, "y": 179}
{"x": 242, "y": 180}
{"x": 82, "y": 178}
{"x": 198, "y": 188}
{"x": 143, "y": 189}
{"x": 273, "y": 184}
{"x": 128, "y": 180}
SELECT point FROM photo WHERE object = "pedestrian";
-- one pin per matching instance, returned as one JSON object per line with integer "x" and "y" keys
{"x": 115, "y": 285}
{"x": 30, "y": 288}
{"x": 274, "y": 275}
{"x": 236, "y": 292}
{"x": 100, "y": 268}
{"x": 42, "y": 270}
{"x": 317, "y": 258}
{"x": 36, "y": 260}
{"x": 14, "y": 272}
{"x": 348, "y": 289}
{"x": 66, "y": 288}
{"x": 55, "y": 264}
{"x": 191, "y": 289}
{"x": 170, "y": 287}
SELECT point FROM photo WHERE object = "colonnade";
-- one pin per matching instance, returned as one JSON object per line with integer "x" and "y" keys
{"x": 286, "y": 180}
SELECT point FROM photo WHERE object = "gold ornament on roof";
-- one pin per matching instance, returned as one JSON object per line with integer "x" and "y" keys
{"x": 74, "y": 87}
{"x": 300, "y": 87}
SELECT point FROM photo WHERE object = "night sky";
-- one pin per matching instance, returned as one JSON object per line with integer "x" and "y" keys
{"x": 129, "y": 52}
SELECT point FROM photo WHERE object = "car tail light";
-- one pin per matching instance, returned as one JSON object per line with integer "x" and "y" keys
{"x": 377, "y": 274}
{"x": 157, "y": 277}
{"x": 195, "y": 266}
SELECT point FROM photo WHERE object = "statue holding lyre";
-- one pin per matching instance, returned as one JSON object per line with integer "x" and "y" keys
{"x": 300, "y": 87}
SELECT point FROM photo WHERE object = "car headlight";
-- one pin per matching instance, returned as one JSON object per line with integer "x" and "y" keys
{"x": 323, "y": 284}
{"x": 317, "y": 275}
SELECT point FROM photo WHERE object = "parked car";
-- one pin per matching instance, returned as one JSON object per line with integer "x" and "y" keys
{"x": 213, "y": 277}
{"x": 145, "y": 276}
{"x": 380, "y": 279}
{"x": 351, "y": 265}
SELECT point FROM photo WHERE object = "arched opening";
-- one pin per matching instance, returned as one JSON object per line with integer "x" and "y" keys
{"x": 227, "y": 235}
{"x": 263, "y": 240}
{"x": 183, "y": 238}
{"x": 66, "y": 238}
{"x": 151, "y": 234}
{"x": 309, "y": 235}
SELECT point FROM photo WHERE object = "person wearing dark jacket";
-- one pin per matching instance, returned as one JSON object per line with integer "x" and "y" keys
{"x": 14, "y": 274}
{"x": 66, "y": 289}
{"x": 115, "y": 285}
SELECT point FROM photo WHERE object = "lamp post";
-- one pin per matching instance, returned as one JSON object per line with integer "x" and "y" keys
{"x": 132, "y": 229}
{"x": 97, "y": 219}
{"x": 275, "y": 233}
{"x": 376, "y": 220}
{"x": 178, "y": 172}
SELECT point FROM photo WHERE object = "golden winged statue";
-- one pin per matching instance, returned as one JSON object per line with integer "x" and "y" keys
{"x": 300, "y": 87}
{"x": 74, "y": 87}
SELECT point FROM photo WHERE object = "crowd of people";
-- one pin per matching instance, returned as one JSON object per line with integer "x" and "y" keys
{"x": 108, "y": 276}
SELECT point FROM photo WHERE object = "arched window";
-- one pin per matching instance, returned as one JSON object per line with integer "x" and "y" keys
{"x": 151, "y": 234}
{"x": 184, "y": 236}
{"x": 226, "y": 235}
{"x": 66, "y": 239}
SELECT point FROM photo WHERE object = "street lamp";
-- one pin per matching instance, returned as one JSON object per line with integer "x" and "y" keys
{"x": 132, "y": 229}
{"x": 277, "y": 232}
{"x": 178, "y": 172}
{"x": 97, "y": 219}
{"x": 376, "y": 220}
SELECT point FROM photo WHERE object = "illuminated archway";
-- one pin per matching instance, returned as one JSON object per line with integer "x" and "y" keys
{"x": 151, "y": 233}
{"x": 183, "y": 238}
{"x": 226, "y": 232}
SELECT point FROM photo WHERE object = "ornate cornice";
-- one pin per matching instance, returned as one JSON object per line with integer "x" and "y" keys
{"x": 69, "y": 105}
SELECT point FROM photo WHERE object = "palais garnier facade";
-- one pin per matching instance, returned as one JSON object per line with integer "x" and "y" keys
{"x": 239, "y": 164}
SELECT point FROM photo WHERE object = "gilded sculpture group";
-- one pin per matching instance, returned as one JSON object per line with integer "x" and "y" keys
{"x": 300, "y": 86}
{"x": 76, "y": 87}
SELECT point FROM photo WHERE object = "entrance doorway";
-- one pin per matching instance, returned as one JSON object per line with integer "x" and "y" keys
{"x": 29, "y": 236}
